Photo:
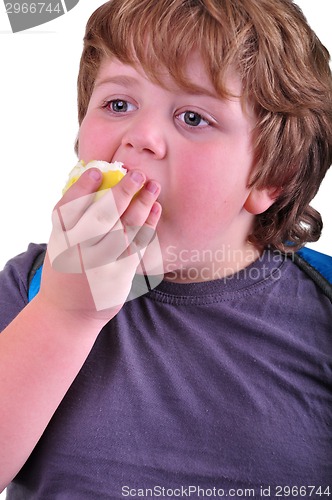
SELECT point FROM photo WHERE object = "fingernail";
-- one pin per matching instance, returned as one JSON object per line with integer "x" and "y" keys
{"x": 156, "y": 208}
{"x": 94, "y": 174}
{"x": 137, "y": 177}
{"x": 152, "y": 187}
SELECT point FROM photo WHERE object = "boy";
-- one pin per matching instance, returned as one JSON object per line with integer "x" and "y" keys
{"x": 217, "y": 382}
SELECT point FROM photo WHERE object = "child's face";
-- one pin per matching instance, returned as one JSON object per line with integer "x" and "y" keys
{"x": 197, "y": 146}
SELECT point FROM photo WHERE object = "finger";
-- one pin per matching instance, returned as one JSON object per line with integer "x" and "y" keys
{"x": 128, "y": 187}
{"x": 88, "y": 183}
{"x": 151, "y": 264}
{"x": 122, "y": 271}
{"x": 102, "y": 215}
{"x": 107, "y": 249}
{"x": 139, "y": 209}
{"x": 77, "y": 199}
{"x": 150, "y": 271}
{"x": 120, "y": 242}
{"x": 147, "y": 232}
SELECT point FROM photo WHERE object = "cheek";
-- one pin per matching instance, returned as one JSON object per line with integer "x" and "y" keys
{"x": 207, "y": 190}
{"x": 214, "y": 178}
{"x": 93, "y": 141}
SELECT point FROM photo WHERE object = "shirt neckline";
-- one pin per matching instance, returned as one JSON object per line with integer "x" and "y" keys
{"x": 260, "y": 273}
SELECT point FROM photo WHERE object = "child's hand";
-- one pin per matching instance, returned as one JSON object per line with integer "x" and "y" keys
{"x": 96, "y": 244}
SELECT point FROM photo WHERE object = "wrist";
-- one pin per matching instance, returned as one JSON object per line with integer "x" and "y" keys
{"x": 70, "y": 322}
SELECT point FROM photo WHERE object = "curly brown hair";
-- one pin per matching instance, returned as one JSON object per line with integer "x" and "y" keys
{"x": 285, "y": 75}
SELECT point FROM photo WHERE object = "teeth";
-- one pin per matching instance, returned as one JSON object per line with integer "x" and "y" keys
{"x": 112, "y": 173}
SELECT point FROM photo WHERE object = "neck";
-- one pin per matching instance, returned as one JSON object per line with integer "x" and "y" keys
{"x": 190, "y": 266}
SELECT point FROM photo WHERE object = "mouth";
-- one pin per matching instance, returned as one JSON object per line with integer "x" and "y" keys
{"x": 128, "y": 166}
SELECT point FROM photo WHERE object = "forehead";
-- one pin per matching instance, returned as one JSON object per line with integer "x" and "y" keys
{"x": 197, "y": 79}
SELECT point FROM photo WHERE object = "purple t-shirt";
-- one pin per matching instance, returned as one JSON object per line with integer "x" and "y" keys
{"x": 208, "y": 388}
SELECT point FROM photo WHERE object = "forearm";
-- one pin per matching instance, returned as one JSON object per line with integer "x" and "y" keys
{"x": 43, "y": 349}
{"x": 41, "y": 352}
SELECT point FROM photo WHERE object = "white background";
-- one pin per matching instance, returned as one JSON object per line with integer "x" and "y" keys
{"x": 39, "y": 125}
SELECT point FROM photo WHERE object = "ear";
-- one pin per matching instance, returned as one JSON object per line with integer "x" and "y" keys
{"x": 259, "y": 200}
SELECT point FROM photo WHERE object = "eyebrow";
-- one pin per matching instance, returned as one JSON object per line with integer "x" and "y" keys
{"x": 126, "y": 81}
{"x": 131, "y": 82}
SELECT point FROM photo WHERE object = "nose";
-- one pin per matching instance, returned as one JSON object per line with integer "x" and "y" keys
{"x": 146, "y": 135}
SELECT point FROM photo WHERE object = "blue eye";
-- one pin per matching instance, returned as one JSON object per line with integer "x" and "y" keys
{"x": 193, "y": 119}
{"x": 120, "y": 106}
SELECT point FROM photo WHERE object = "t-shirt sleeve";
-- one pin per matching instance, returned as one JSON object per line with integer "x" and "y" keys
{"x": 14, "y": 283}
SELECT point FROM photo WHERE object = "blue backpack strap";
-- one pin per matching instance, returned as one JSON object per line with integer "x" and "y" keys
{"x": 318, "y": 266}
{"x": 35, "y": 276}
